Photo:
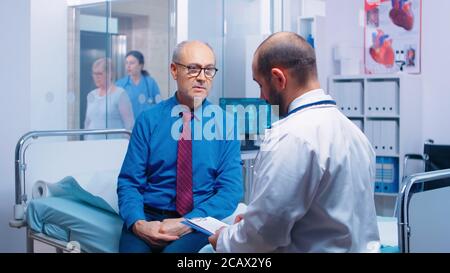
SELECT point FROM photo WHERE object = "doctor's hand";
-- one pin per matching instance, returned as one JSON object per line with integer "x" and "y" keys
{"x": 150, "y": 232}
{"x": 173, "y": 226}
{"x": 238, "y": 218}
{"x": 213, "y": 238}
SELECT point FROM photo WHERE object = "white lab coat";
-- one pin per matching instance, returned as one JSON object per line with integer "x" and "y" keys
{"x": 313, "y": 187}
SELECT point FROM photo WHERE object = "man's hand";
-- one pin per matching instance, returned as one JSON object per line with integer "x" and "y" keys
{"x": 174, "y": 226}
{"x": 150, "y": 232}
{"x": 238, "y": 218}
{"x": 213, "y": 238}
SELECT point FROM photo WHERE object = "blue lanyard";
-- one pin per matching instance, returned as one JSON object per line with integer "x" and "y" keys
{"x": 322, "y": 102}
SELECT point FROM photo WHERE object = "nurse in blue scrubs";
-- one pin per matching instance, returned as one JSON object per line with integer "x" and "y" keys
{"x": 141, "y": 88}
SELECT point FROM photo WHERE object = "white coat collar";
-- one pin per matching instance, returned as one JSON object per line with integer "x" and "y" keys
{"x": 309, "y": 97}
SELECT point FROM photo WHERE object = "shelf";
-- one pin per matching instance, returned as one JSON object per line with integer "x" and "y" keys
{"x": 306, "y": 29}
{"x": 346, "y": 78}
{"x": 387, "y": 155}
{"x": 383, "y": 117}
{"x": 388, "y": 194}
{"x": 370, "y": 77}
{"x": 387, "y": 109}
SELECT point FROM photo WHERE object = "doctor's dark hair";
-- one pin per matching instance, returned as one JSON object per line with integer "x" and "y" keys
{"x": 140, "y": 57}
{"x": 290, "y": 51}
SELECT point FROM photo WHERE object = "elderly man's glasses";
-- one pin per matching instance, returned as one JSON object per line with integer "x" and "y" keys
{"x": 194, "y": 70}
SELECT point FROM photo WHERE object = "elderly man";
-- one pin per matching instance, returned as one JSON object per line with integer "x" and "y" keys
{"x": 313, "y": 188}
{"x": 170, "y": 172}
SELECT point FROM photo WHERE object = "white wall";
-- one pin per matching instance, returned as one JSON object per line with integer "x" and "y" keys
{"x": 34, "y": 76}
{"x": 435, "y": 63}
{"x": 14, "y": 108}
{"x": 244, "y": 34}
{"x": 205, "y": 23}
{"x": 343, "y": 26}
{"x": 48, "y": 65}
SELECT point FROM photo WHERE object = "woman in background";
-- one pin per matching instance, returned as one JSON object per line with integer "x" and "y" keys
{"x": 141, "y": 88}
{"x": 108, "y": 106}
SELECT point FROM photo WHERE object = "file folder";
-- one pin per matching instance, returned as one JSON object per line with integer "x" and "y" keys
{"x": 386, "y": 177}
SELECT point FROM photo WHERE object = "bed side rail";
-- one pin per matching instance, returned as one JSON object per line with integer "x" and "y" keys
{"x": 403, "y": 202}
{"x": 20, "y": 166}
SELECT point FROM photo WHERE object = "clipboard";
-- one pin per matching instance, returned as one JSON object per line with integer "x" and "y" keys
{"x": 207, "y": 225}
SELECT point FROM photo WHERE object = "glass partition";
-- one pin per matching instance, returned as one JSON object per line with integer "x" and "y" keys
{"x": 244, "y": 32}
{"x": 233, "y": 28}
{"x": 110, "y": 29}
{"x": 111, "y": 87}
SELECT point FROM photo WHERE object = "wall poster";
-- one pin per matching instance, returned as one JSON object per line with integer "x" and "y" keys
{"x": 392, "y": 36}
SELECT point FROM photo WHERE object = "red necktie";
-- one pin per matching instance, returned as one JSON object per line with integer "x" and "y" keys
{"x": 184, "y": 201}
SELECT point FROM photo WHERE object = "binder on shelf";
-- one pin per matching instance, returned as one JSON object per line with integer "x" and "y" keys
{"x": 392, "y": 97}
{"x": 392, "y": 129}
{"x": 379, "y": 175}
{"x": 335, "y": 92}
{"x": 348, "y": 96}
{"x": 371, "y": 100}
{"x": 383, "y": 134}
{"x": 345, "y": 106}
{"x": 358, "y": 123}
{"x": 356, "y": 94}
{"x": 375, "y": 135}
{"x": 384, "y": 97}
{"x": 386, "y": 177}
{"x": 379, "y": 135}
{"x": 369, "y": 132}
{"x": 389, "y": 134}
{"x": 382, "y": 119}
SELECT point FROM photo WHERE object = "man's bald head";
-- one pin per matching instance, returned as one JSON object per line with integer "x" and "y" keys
{"x": 181, "y": 48}
{"x": 290, "y": 51}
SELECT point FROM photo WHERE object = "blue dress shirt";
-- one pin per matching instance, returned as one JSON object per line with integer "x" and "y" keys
{"x": 142, "y": 95}
{"x": 148, "y": 174}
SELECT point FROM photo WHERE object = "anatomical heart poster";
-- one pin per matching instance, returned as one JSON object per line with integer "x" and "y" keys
{"x": 392, "y": 36}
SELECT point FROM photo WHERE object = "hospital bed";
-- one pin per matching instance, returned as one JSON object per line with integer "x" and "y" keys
{"x": 421, "y": 223}
{"x": 65, "y": 190}
{"x": 423, "y": 213}
{"x": 66, "y": 177}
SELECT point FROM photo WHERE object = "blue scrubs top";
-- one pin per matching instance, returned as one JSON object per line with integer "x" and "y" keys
{"x": 143, "y": 95}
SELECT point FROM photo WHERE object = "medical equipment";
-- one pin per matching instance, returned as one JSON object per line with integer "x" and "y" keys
{"x": 423, "y": 223}
{"x": 66, "y": 221}
{"x": 250, "y": 117}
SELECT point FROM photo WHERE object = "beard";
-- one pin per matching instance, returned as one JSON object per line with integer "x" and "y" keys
{"x": 276, "y": 99}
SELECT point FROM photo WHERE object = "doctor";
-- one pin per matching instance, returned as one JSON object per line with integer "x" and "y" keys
{"x": 141, "y": 88}
{"x": 313, "y": 188}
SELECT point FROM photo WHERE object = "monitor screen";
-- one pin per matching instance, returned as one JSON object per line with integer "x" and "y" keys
{"x": 250, "y": 116}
